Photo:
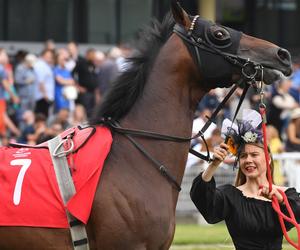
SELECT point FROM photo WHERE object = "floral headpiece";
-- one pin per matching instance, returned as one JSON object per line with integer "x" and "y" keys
{"x": 242, "y": 132}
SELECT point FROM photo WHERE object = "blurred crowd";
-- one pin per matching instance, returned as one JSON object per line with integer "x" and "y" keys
{"x": 42, "y": 95}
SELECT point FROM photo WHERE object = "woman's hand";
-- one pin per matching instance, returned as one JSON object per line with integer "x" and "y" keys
{"x": 264, "y": 191}
{"x": 220, "y": 153}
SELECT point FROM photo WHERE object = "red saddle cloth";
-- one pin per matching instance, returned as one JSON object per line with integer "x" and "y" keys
{"x": 29, "y": 193}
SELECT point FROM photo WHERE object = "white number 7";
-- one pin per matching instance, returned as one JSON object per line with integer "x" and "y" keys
{"x": 25, "y": 163}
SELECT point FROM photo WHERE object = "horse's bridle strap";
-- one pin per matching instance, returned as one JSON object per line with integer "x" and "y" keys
{"x": 159, "y": 166}
{"x": 199, "y": 43}
{"x": 157, "y": 136}
{"x": 147, "y": 134}
{"x": 128, "y": 132}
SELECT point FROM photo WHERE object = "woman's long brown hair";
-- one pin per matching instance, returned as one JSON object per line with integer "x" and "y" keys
{"x": 240, "y": 178}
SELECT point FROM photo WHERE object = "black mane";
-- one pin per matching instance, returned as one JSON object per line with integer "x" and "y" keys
{"x": 130, "y": 84}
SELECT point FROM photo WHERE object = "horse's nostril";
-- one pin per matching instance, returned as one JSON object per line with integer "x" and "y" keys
{"x": 284, "y": 56}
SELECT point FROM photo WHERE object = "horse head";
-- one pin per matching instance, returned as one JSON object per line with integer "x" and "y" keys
{"x": 224, "y": 55}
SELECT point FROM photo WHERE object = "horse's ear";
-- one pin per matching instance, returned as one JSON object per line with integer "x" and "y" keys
{"x": 180, "y": 16}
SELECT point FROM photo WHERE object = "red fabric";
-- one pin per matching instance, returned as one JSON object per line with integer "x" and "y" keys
{"x": 39, "y": 203}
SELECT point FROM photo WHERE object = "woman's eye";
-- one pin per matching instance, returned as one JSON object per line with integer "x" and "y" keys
{"x": 243, "y": 156}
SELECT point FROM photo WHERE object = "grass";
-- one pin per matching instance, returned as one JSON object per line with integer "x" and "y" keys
{"x": 209, "y": 237}
{"x": 196, "y": 234}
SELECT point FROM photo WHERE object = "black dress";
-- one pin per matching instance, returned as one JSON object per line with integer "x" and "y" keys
{"x": 252, "y": 223}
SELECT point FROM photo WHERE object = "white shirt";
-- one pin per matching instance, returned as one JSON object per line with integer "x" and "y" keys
{"x": 45, "y": 76}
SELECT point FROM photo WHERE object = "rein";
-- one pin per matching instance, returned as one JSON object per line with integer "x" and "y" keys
{"x": 275, "y": 203}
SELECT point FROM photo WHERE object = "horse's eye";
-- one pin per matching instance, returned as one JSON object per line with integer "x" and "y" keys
{"x": 218, "y": 36}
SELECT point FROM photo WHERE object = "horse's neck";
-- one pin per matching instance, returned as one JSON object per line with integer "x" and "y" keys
{"x": 170, "y": 95}
{"x": 167, "y": 106}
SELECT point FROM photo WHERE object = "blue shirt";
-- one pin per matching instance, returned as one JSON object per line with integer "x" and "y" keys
{"x": 296, "y": 79}
{"x": 60, "y": 100}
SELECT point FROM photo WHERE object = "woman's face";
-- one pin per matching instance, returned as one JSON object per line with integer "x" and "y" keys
{"x": 252, "y": 161}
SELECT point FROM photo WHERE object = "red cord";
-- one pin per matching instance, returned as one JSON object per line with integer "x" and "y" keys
{"x": 275, "y": 203}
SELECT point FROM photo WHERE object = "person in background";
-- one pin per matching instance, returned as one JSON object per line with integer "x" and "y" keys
{"x": 293, "y": 132}
{"x": 45, "y": 84}
{"x": 198, "y": 124}
{"x": 25, "y": 80}
{"x": 62, "y": 117}
{"x": 125, "y": 52}
{"x": 5, "y": 87}
{"x": 276, "y": 147}
{"x": 292, "y": 144}
{"x": 19, "y": 57}
{"x": 295, "y": 88}
{"x": 27, "y": 128}
{"x": 281, "y": 106}
{"x": 74, "y": 56}
{"x": 63, "y": 78}
{"x": 100, "y": 60}
{"x": 50, "y": 45}
{"x": 214, "y": 140}
{"x": 198, "y": 144}
{"x": 11, "y": 106}
{"x": 209, "y": 101}
{"x": 39, "y": 133}
{"x": 79, "y": 116}
{"x": 245, "y": 206}
{"x": 86, "y": 78}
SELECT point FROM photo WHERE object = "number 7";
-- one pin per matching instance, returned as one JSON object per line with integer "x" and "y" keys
{"x": 25, "y": 163}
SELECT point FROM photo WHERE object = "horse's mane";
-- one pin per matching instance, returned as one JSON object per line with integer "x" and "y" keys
{"x": 129, "y": 86}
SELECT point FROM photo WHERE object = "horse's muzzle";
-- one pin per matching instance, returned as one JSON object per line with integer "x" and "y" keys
{"x": 284, "y": 57}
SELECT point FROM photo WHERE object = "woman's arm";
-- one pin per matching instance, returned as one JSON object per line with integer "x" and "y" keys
{"x": 209, "y": 200}
{"x": 219, "y": 155}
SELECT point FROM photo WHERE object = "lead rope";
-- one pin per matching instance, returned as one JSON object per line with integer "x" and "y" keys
{"x": 275, "y": 203}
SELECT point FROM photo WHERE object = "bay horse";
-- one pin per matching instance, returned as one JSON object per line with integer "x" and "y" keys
{"x": 177, "y": 62}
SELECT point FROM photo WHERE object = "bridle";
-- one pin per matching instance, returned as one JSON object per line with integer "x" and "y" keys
{"x": 249, "y": 71}
{"x": 248, "y": 68}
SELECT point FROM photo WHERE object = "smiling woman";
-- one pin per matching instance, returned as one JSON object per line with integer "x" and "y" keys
{"x": 245, "y": 207}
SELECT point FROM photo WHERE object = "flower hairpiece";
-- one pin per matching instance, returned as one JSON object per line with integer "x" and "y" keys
{"x": 242, "y": 132}
{"x": 249, "y": 137}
